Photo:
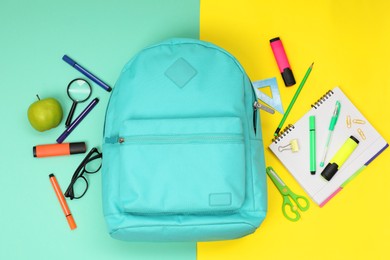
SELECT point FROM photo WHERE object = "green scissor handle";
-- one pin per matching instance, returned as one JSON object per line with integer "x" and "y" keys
{"x": 289, "y": 208}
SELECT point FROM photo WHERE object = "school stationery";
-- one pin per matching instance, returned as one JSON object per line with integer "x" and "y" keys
{"x": 290, "y": 200}
{"x": 312, "y": 129}
{"x": 332, "y": 124}
{"x": 293, "y": 100}
{"x": 183, "y": 172}
{"x": 78, "y": 91}
{"x": 293, "y": 145}
{"x": 282, "y": 61}
{"x": 339, "y": 158}
{"x": 61, "y": 199}
{"x": 86, "y": 73}
{"x": 257, "y": 105}
{"x": 320, "y": 190}
{"x": 46, "y": 150}
{"x": 361, "y": 133}
{"x": 77, "y": 121}
{"x": 274, "y": 101}
{"x": 348, "y": 121}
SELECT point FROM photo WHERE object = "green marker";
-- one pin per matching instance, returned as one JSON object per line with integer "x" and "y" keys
{"x": 333, "y": 122}
{"x": 293, "y": 100}
{"x": 312, "y": 127}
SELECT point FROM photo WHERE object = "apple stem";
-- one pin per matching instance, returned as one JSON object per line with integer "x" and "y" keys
{"x": 38, "y": 97}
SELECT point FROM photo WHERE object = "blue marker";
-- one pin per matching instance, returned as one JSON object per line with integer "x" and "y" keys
{"x": 86, "y": 73}
{"x": 77, "y": 121}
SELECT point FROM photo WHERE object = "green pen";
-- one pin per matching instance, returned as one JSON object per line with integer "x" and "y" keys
{"x": 333, "y": 122}
{"x": 312, "y": 127}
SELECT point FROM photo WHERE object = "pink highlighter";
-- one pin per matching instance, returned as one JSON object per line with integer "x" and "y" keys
{"x": 282, "y": 61}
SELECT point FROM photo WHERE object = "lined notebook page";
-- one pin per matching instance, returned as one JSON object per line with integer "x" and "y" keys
{"x": 298, "y": 163}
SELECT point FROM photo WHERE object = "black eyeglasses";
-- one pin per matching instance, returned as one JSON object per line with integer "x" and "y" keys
{"x": 79, "y": 185}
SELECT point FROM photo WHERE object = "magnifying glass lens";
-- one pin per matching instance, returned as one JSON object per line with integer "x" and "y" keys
{"x": 79, "y": 90}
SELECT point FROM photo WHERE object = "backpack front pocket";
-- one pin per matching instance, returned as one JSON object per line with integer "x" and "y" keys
{"x": 192, "y": 165}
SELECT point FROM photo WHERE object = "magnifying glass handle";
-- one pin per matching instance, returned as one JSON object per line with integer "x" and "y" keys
{"x": 70, "y": 115}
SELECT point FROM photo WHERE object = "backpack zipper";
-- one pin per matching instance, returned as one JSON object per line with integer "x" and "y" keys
{"x": 255, "y": 108}
{"x": 178, "y": 139}
{"x": 167, "y": 213}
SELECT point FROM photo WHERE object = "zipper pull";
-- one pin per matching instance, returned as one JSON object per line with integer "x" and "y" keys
{"x": 121, "y": 140}
{"x": 257, "y": 106}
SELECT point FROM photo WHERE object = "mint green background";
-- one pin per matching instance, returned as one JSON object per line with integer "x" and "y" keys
{"x": 102, "y": 36}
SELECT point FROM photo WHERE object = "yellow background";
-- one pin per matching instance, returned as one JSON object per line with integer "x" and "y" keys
{"x": 349, "y": 42}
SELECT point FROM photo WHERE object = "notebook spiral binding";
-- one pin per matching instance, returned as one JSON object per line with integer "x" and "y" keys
{"x": 283, "y": 133}
{"x": 322, "y": 99}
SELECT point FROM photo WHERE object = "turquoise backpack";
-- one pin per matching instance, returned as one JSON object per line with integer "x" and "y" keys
{"x": 183, "y": 156}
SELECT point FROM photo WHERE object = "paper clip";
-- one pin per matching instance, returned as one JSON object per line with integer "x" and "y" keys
{"x": 293, "y": 146}
{"x": 349, "y": 121}
{"x": 358, "y": 121}
{"x": 361, "y": 133}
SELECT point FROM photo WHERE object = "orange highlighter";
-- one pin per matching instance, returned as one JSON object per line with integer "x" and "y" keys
{"x": 62, "y": 201}
{"x": 46, "y": 150}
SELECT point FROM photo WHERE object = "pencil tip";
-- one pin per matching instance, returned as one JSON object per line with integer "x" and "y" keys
{"x": 311, "y": 66}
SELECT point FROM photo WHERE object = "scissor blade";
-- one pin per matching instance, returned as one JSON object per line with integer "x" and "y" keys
{"x": 271, "y": 171}
{"x": 275, "y": 179}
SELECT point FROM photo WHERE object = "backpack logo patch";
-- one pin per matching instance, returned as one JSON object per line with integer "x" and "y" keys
{"x": 180, "y": 72}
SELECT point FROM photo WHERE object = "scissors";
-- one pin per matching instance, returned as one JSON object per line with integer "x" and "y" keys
{"x": 289, "y": 208}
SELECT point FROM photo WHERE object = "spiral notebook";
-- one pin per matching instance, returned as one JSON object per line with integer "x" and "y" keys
{"x": 371, "y": 144}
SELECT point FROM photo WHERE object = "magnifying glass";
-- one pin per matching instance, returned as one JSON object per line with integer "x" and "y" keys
{"x": 78, "y": 91}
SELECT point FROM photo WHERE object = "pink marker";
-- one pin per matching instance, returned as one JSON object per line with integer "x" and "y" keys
{"x": 282, "y": 61}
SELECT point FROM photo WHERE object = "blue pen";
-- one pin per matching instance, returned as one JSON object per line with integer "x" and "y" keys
{"x": 86, "y": 73}
{"x": 77, "y": 121}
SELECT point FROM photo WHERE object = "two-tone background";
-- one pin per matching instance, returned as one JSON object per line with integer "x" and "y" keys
{"x": 348, "y": 41}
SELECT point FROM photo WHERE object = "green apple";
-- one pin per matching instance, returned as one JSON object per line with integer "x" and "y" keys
{"x": 45, "y": 114}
